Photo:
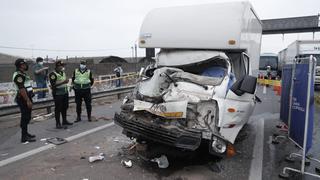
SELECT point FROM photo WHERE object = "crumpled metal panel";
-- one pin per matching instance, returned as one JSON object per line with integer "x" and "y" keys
{"x": 154, "y": 86}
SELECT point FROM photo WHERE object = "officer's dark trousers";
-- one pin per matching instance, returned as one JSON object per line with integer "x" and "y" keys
{"x": 84, "y": 94}
{"x": 25, "y": 117}
{"x": 61, "y": 104}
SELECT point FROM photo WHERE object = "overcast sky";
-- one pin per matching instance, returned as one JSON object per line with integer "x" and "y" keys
{"x": 111, "y": 27}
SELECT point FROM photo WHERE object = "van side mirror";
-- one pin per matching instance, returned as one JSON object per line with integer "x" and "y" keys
{"x": 247, "y": 84}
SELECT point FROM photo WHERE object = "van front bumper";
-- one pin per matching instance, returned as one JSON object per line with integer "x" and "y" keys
{"x": 176, "y": 137}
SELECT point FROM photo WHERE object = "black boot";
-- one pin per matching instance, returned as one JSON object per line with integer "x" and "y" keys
{"x": 25, "y": 139}
{"x": 31, "y": 135}
{"x": 58, "y": 126}
{"x": 66, "y": 123}
{"x": 89, "y": 116}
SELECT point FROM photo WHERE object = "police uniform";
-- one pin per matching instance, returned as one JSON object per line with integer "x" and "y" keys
{"x": 22, "y": 81}
{"x": 60, "y": 95}
{"x": 82, "y": 82}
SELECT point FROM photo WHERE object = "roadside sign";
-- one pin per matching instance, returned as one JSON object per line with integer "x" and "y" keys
{"x": 299, "y": 107}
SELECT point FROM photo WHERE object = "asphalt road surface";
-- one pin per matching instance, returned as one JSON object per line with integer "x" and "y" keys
{"x": 257, "y": 158}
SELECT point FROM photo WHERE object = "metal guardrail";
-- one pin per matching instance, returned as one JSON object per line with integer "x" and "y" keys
{"x": 14, "y": 109}
{"x": 107, "y": 78}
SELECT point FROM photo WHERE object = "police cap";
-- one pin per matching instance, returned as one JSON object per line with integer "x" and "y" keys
{"x": 59, "y": 63}
{"x": 83, "y": 61}
{"x": 19, "y": 62}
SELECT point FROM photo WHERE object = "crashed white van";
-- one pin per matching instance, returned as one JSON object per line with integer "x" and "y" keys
{"x": 200, "y": 88}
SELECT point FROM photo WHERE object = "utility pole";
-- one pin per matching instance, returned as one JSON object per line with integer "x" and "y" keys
{"x": 132, "y": 53}
{"x": 136, "y": 55}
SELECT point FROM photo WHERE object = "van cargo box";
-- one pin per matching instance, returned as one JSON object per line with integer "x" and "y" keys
{"x": 231, "y": 26}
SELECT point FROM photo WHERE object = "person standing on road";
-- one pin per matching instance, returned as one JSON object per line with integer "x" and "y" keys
{"x": 59, "y": 85}
{"x": 23, "y": 86}
{"x": 40, "y": 74}
{"x": 82, "y": 81}
{"x": 118, "y": 71}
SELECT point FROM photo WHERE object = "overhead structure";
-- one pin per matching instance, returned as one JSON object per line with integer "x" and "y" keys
{"x": 291, "y": 25}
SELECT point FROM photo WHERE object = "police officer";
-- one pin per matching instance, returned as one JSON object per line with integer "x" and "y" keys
{"x": 23, "y": 86}
{"x": 82, "y": 81}
{"x": 118, "y": 71}
{"x": 59, "y": 81}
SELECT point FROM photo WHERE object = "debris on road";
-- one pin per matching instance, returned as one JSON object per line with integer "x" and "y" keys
{"x": 56, "y": 140}
{"x": 41, "y": 117}
{"x": 82, "y": 157}
{"x": 162, "y": 161}
{"x": 97, "y": 147}
{"x": 130, "y": 149}
{"x": 99, "y": 157}
{"x": 104, "y": 118}
{"x": 127, "y": 164}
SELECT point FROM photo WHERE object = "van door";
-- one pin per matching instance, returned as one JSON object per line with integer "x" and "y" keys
{"x": 239, "y": 103}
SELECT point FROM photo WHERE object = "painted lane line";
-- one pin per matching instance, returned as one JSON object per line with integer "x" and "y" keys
{"x": 264, "y": 90}
{"x": 49, "y": 146}
{"x": 257, "y": 161}
{"x": 26, "y": 154}
{"x": 77, "y": 136}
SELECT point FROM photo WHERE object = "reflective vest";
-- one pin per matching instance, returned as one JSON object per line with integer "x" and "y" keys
{"x": 27, "y": 81}
{"x": 60, "y": 79}
{"x": 82, "y": 80}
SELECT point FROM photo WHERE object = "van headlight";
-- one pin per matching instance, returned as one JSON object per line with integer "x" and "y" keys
{"x": 218, "y": 145}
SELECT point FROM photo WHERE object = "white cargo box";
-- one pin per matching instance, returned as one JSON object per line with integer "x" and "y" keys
{"x": 232, "y": 25}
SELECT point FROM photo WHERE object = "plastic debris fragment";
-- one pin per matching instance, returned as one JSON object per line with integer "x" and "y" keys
{"x": 99, "y": 157}
{"x": 162, "y": 161}
{"x": 127, "y": 164}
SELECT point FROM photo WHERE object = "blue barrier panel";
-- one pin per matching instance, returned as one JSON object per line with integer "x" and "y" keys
{"x": 285, "y": 92}
{"x": 298, "y": 109}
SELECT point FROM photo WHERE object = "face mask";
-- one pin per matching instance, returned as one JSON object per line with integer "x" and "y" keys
{"x": 40, "y": 63}
{"x": 82, "y": 66}
{"x": 63, "y": 69}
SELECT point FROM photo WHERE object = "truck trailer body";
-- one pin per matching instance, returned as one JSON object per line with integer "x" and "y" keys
{"x": 301, "y": 49}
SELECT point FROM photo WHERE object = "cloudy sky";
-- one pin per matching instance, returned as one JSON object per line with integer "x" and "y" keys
{"x": 110, "y": 27}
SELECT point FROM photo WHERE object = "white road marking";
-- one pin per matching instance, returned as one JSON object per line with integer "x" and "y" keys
{"x": 257, "y": 161}
{"x": 264, "y": 90}
{"x": 49, "y": 146}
